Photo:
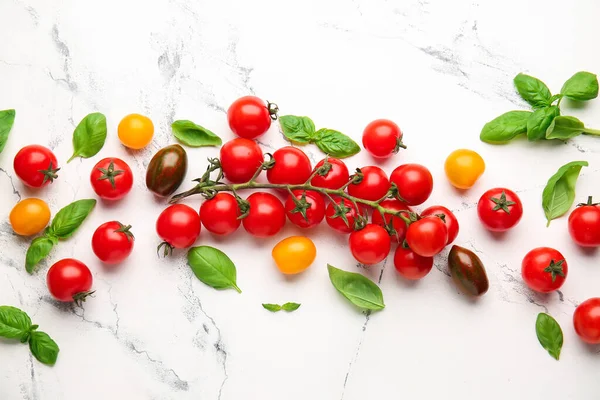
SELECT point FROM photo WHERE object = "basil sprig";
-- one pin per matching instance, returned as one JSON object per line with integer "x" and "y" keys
{"x": 194, "y": 135}
{"x": 358, "y": 289}
{"x": 16, "y": 324}
{"x": 549, "y": 334}
{"x": 89, "y": 136}
{"x": 7, "y": 119}
{"x": 559, "y": 193}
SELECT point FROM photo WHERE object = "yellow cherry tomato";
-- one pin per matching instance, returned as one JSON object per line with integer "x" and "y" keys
{"x": 463, "y": 168}
{"x": 294, "y": 254}
{"x": 136, "y": 131}
{"x": 29, "y": 216}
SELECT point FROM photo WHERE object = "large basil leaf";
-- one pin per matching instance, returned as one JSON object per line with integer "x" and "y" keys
{"x": 549, "y": 334}
{"x": 194, "y": 135}
{"x": 89, "y": 136}
{"x": 38, "y": 250}
{"x": 539, "y": 122}
{"x": 505, "y": 127}
{"x": 357, "y": 288}
{"x": 297, "y": 129}
{"x": 69, "y": 218}
{"x": 14, "y": 323}
{"x": 581, "y": 86}
{"x": 7, "y": 119}
{"x": 43, "y": 348}
{"x": 335, "y": 143}
{"x": 213, "y": 267}
{"x": 565, "y": 128}
{"x": 559, "y": 193}
{"x": 533, "y": 91}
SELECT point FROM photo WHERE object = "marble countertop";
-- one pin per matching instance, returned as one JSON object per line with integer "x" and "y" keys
{"x": 440, "y": 69}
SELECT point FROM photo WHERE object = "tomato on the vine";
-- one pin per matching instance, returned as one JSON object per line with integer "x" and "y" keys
{"x": 397, "y": 222}
{"x": 544, "y": 269}
{"x": 499, "y": 209}
{"x": 179, "y": 226}
{"x": 370, "y": 244}
{"x": 220, "y": 215}
{"x": 294, "y": 254}
{"x": 266, "y": 216}
{"x": 335, "y": 178}
{"x": 414, "y": 183}
{"x": 463, "y": 167}
{"x": 29, "y": 216}
{"x": 335, "y": 218}
{"x": 427, "y": 236}
{"x": 292, "y": 167}
{"x": 36, "y": 166}
{"x": 584, "y": 224}
{"x": 240, "y": 159}
{"x": 112, "y": 242}
{"x": 373, "y": 185}
{"x": 135, "y": 131}
{"x": 449, "y": 219}
{"x": 310, "y": 203}
{"x": 382, "y": 138}
{"x": 111, "y": 178}
{"x": 586, "y": 320}
{"x": 249, "y": 117}
{"x": 411, "y": 265}
{"x": 69, "y": 280}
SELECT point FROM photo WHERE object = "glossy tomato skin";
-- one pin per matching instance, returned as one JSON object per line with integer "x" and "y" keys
{"x": 411, "y": 265}
{"x": 467, "y": 271}
{"x": 427, "y": 236}
{"x": 36, "y": 166}
{"x": 414, "y": 183}
{"x": 220, "y": 215}
{"x": 374, "y": 185}
{"x": 499, "y": 209}
{"x": 449, "y": 219}
{"x": 370, "y": 245}
{"x": 314, "y": 214}
{"x": 68, "y": 278}
{"x": 382, "y": 138}
{"x": 584, "y": 225}
{"x": 112, "y": 242}
{"x": 294, "y": 254}
{"x": 463, "y": 167}
{"x": 29, "y": 216}
{"x": 240, "y": 159}
{"x": 249, "y": 117}
{"x": 337, "y": 176}
{"x": 179, "y": 226}
{"x": 586, "y": 320}
{"x": 537, "y": 267}
{"x": 338, "y": 223}
{"x": 135, "y": 131}
{"x": 292, "y": 166}
{"x": 399, "y": 225}
{"x": 166, "y": 170}
{"x": 266, "y": 216}
{"x": 111, "y": 178}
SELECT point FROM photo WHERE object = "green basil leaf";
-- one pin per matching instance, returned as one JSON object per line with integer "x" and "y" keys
{"x": 69, "y": 218}
{"x": 7, "y": 119}
{"x": 335, "y": 143}
{"x": 271, "y": 307}
{"x": 565, "y": 128}
{"x": 89, "y": 136}
{"x": 297, "y": 129}
{"x": 549, "y": 334}
{"x": 505, "y": 127}
{"x": 290, "y": 306}
{"x": 43, "y": 348}
{"x": 581, "y": 86}
{"x": 37, "y": 251}
{"x": 357, "y": 288}
{"x": 14, "y": 323}
{"x": 194, "y": 135}
{"x": 559, "y": 193}
{"x": 539, "y": 122}
{"x": 212, "y": 267}
{"x": 533, "y": 91}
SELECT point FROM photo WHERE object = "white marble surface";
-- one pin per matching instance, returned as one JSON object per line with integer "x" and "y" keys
{"x": 441, "y": 69}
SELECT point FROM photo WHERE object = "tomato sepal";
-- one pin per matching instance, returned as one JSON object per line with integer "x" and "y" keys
{"x": 49, "y": 174}
{"x": 81, "y": 297}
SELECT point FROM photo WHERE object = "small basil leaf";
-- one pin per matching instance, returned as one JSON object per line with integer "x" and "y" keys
{"x": 559, "y": 193}
{"x": 549, "y": 334}
{"x": 37, "y": 251}
{"x": 533, "y": 91}
{"x": 357, "y": 288}
{"x": 7, "y": 119}
{"x": 194, "y": 135}
{"x": 565, "y": 128}
{"x": 335, "y": 143}
{"x": 69, "y": 218}
{"x": 43, "y": 347}
{"x": 212, "y": 267}
{"x": 505, "y": 127}
{"x": 539, "y": 121}
{"x": 271, "y": 307}
{"x": 290, "y": 306}
{"x": 14, "y": 323}
{"x": 581, "y": 86}
{"x": 89, "y": 136}
{"x": 297, "y": 129}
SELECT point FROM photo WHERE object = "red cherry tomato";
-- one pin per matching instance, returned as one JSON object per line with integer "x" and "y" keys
{"x": 411, "y": 265}
{"x": 499, "y": 209}
{"x": 370, "y": 245}
{"x": 291, "y": 167}
{"x": 399, "y": 225}
{"x": 544, "y": 269}
{"x": 179, "y": 226}
{"x": 449, "y": 219}
{"x": 586, "y": 320}
{"x": 220, "y": 215}
{"x": 112, "y": 242}
{"x": 584, "y": 224}
{"x": 266, "y": 216}
{"x": 337, "y": 176}
{"x": 111, "y": 178}
{"x": 36, "y": 166}
{"x": 314, "y": 213}
{"x": 336, "y": 221}
{"x": 382, "y": 138}
{"x": 428, "y": 236}
{"x": 414, "y": 183}
{"x": 240, "y": 159}
{"x": 373, "y": 186}
{"x": 69, "y": 280}
{"x": 249, "y": 117}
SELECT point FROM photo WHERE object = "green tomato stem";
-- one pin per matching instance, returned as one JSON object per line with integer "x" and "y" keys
{"x": 594, "y": 132}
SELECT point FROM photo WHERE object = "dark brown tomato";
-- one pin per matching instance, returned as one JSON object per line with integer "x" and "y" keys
{"x": 467, "y": 271}
{"x": 166, "y": 170}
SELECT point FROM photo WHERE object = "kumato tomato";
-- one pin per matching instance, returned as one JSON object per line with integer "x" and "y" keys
{"x": 292, "y": 166}
{"x": 220, "y": 215}
{"x": 36, "y": 166}
{"x": 69, "y": 280}
{"x": 29, "y": 216}
{"x": 370, "y": 245}
{"x": 294, "y": 254}
{"x": 240, "y": 159}
{"x": 166, "y": 170}
{"x": 135, "y": 131}
{"x": 373, "y": 185}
